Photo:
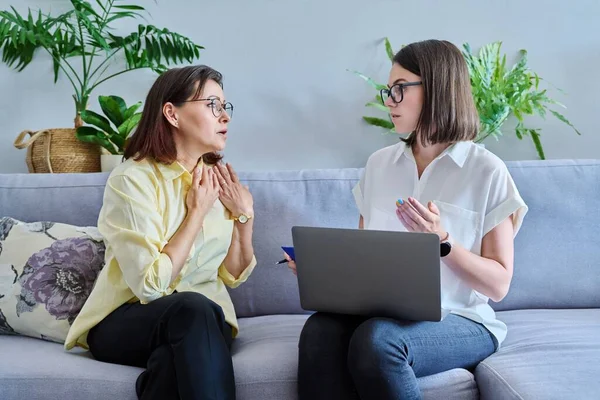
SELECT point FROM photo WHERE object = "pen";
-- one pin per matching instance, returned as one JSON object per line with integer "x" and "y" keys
{"x": 281, "y": 262}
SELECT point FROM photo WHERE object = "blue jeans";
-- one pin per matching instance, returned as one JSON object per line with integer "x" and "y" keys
{"x": 349, "y": 357}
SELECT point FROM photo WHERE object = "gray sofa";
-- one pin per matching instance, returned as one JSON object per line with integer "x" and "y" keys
{"x": 553, "y": 309}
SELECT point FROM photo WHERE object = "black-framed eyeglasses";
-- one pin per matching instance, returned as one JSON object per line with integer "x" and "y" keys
{"x": 396, "y": 92}
{"x": 217, "y": 106}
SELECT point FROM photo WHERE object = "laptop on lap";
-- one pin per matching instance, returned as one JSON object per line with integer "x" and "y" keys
{"x": 369, "y": 272}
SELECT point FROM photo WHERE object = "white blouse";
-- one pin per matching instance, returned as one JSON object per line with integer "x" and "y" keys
{"x": 474, "y": 193}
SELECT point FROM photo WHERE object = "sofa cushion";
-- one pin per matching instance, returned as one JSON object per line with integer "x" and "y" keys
{"x": 68, "y": 198}
{"x": 265, "y": 357}
{"x": 266, "y": 363}
{"x": 47, "y": 271}
{"x": 558, "y": 247}
{"x": 283, "y": 199}
{"x": 548, "y": 354}
{"x": 557, "y": 271}
{"x": 34, "y": 369}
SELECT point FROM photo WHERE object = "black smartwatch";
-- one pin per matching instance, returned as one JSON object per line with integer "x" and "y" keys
{"x": 446, "y": 246}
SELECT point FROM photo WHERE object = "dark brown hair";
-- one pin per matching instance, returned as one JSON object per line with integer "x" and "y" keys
{"x": 448, "y": 114}
{"x": 153, "y": 137}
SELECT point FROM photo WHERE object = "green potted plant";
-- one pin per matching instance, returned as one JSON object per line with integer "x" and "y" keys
{"x": 500, "y": 92}
{"x": 85, "y": 35}
{"x": 111, "y": 131}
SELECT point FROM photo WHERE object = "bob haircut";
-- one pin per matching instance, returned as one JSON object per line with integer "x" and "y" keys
{"x": 153, "y": 137}
{"x": 448, "y": 114}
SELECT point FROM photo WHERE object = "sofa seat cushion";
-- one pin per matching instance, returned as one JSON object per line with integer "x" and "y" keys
{"x": 548, "y": 354}
{"x": 35, "y": 369}
{"x": 265, "y": 358}
{"x": 266, "y": 363}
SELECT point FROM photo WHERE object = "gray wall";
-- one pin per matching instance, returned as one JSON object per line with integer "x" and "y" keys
{"x": 285, "y": 68}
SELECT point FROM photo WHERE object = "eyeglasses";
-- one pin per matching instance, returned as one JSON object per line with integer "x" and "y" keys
{"x": 217, "y": 106}
{"x": 396, "y": 92}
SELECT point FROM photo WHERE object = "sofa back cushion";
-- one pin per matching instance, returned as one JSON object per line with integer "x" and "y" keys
{"x": 556, "y": 251}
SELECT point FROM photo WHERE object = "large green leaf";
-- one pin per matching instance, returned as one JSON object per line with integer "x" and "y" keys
{"x": 92, "y": 135}
{"x": 131, "y": 110}
{"x": 118, "y": 141}
{"x": 92, "y": 118}
{"x": 114, "y": 108}
{"x": 127, "y": 126}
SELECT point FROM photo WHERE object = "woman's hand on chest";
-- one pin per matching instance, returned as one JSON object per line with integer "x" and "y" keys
{"x": 234, "y": 196}
{"x": 419, "y": 218}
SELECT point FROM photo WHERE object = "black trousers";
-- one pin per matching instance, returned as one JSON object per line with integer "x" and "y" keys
{"x": 182, "y": 340}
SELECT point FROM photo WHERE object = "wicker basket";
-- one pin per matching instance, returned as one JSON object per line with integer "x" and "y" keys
{"x": 58, "y": 151}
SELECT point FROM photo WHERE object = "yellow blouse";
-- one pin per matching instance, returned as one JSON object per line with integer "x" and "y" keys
{"x": 143, "y": 206}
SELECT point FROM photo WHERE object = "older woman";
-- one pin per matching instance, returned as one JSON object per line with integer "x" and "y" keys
{"x": 178, "y": 227}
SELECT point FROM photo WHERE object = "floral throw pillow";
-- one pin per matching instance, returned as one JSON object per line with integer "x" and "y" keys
{"x": 47, "y": 271}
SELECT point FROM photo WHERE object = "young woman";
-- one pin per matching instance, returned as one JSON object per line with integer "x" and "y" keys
{"x": 437, "y": 181}
{"x": 178, "y": 227}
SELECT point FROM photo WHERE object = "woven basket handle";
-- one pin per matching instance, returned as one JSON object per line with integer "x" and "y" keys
{"x": 20, "y": 144}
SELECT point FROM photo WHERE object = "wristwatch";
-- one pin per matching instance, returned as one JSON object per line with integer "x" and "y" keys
{"x": 243, "y": 218}
{"x": 446, "y": 245}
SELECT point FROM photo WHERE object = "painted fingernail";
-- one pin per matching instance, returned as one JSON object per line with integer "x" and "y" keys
{"x": 399, "y": 202}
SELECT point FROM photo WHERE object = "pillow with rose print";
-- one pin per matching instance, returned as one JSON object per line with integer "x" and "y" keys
{"x": 47, "y": 271}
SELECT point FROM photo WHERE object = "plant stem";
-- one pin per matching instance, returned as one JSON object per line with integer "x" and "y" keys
{"x": 64, "y": 70}
{"x": 113, "y": 75}
{"x": 104, "y": 62}
{"x": 77, "y": 92}
{"x": 485, "y": 137}
{"x": 81, "y": 41}
{"x": 102, "y": 26}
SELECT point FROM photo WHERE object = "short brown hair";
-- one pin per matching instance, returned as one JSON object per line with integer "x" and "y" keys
{"x": 153, "y": 138}
{"x": 449, "y": 114}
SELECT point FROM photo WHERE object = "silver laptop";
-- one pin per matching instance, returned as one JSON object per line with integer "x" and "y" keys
{"x": 368, "y": 272}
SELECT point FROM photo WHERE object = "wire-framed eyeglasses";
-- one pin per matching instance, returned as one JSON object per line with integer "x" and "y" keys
{"x": 217, "y": 106}
{"x": 396, "y": 92}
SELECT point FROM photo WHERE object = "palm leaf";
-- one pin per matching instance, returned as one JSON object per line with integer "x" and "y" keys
{"x": 389, "y": 50}
{"x": 538, "y": 144}
{"x": 564, "y": 119}
{"x": 382, "y": 123}
{"x": 84, "y": 32}
{"x": 370, "y": 81}
{"x": 378, "y": 106}
{"x": 134, "y": 8}
{"x": 20, "y": 38}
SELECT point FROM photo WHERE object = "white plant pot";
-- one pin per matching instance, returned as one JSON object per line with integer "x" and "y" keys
{"x": 108, "y": 162}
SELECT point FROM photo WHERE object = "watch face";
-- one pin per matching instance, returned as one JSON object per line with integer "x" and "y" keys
{"x": 243, "y": 219}
{"x": 445, "y": 249}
